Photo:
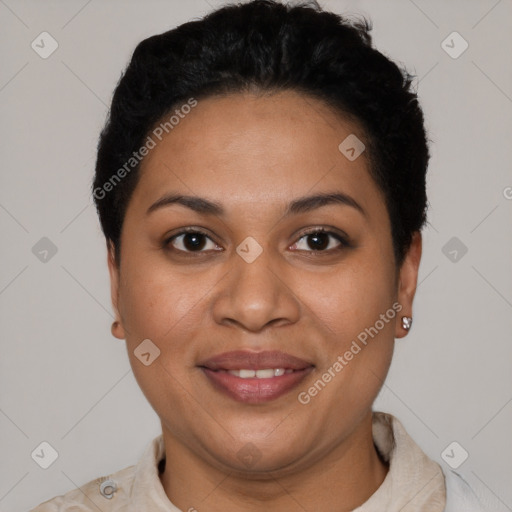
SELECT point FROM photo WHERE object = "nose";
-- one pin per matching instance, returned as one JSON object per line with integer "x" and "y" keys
{"x": 255, "y": 295}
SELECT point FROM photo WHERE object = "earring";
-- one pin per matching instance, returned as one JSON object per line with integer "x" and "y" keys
{"x": 406, "y": 322}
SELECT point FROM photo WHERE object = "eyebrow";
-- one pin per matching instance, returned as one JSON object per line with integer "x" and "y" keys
{"x": 300, "y": 205}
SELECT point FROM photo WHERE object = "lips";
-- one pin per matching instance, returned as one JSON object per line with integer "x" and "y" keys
{"x": 242, "y": 359}
{"x": 255, "y": 377}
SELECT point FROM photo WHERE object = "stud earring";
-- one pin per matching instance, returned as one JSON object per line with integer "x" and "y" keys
{"x": 406, "y": 322}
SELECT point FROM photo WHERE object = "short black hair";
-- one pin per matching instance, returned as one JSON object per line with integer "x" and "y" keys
{"x": 266, "y": 46}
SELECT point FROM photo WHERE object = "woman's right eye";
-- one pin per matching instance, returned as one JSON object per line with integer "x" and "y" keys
{"x": 191, "y": 241}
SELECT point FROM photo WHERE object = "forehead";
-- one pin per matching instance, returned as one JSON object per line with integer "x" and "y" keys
{"x": 246, "y": 148}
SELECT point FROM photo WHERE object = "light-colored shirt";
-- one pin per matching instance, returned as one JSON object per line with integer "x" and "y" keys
{"x": 414, "y": 482}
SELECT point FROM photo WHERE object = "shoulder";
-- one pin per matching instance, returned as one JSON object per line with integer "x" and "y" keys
{"x": 463, "y": 497}
{"x": 98, "y": 494}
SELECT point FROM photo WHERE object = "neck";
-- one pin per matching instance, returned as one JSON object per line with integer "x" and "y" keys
{"x": 339, "y": 481}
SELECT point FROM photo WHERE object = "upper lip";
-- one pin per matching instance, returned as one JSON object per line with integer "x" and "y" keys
{"x": 243, "y": 359}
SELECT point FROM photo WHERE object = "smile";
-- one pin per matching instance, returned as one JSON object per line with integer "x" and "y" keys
{"x": 255, "y": 377}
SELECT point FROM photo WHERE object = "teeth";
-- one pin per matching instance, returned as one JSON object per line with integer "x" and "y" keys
{"x": 265, "y": 374}
{"x": 259, "y": 374}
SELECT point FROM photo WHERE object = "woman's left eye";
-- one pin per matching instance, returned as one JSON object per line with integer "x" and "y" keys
{"x": 320, "y": 241}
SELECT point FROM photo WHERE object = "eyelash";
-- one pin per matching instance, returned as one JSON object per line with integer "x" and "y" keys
{"x": 344, "y": 243}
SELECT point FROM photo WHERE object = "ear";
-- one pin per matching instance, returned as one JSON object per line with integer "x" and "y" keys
{"x": 407, "y": 281}
{"x": 117, "y": 326}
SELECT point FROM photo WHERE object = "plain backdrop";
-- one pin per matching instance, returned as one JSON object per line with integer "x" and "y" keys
{"x": 66, "y": 381}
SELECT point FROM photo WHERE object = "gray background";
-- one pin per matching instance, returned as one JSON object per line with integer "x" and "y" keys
{"x": 65, "y": 380}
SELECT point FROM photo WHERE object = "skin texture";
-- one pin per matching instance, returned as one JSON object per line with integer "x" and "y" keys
{"x": 253, "y": 155}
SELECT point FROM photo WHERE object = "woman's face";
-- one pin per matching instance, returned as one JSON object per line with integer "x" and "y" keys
{"x": 254, "y": 286}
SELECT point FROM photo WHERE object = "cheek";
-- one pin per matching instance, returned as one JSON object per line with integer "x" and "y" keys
{"x": 352, "y": 301}
{"x": 170, "y": 309}
{"x": 155, "y": 307}
{"x": 358, "y": 309}
{"x": 155, "y": 303}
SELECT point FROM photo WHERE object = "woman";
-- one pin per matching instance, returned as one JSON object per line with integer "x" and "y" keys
{"x": 261, "y": 186}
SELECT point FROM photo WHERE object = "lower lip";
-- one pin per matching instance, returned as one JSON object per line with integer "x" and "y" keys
{"x": 254, "y": 390}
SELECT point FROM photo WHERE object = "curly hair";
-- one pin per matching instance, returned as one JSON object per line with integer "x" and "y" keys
{"x": 266, "y": 46}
